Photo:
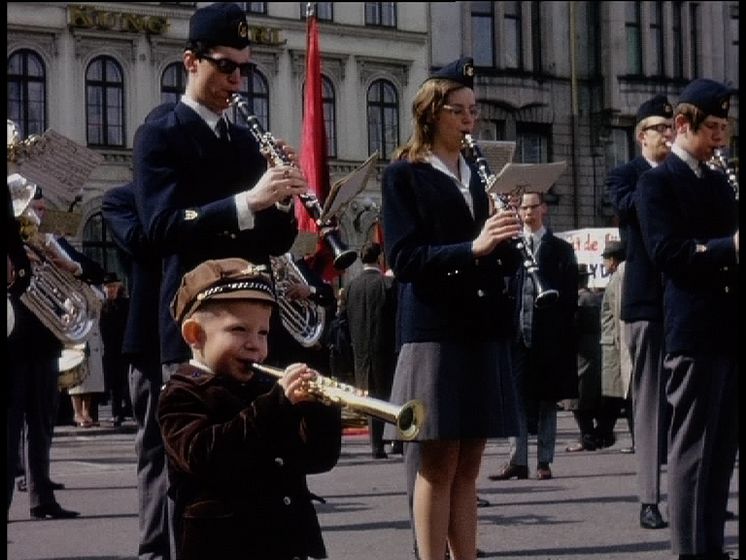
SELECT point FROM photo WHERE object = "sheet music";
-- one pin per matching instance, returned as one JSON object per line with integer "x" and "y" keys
{"x": 348, "y": 187}
{"x": 498, "y": 153}
{"x": 527, "y": 177}
{"x": 59, "y": 166}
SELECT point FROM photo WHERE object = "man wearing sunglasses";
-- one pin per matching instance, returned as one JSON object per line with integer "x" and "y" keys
{"x": 203, "y": 189}
{"x": 642, "y": 307}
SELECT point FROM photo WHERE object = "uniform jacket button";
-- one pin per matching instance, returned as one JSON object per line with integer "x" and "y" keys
{"x": 279, "y": 462}
{"x": 287, "y": 501}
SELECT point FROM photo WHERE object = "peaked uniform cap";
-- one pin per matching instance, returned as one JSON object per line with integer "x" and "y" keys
{"x": 221, "y": 279}
{"x": 461, "y": 71}
{"x": 709, "y": 96}
{"x": 658, "y": 106}
{"x": 221, "y": 23}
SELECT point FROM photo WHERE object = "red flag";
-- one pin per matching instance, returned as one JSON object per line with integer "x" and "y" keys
{"x": 313, "y": 141}
{"x": 313, "y": 145}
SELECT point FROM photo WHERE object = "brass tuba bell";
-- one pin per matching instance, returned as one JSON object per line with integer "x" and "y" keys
{"x": 65, "y": 305}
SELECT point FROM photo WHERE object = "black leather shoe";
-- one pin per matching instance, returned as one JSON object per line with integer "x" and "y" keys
{"x": 56, "y": 485}
{"x": 509, "y": 471}
{"x": 379, "y": 455}
{"x": 52, "y": 511}
{"x": 627, "y": 450}
{"x": 650, "y": 517}
{"x": 481, "y": 502}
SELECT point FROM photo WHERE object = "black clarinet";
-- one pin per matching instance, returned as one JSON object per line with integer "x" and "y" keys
{"x": 544, "y": 296}
{"x": 343, "y": 257}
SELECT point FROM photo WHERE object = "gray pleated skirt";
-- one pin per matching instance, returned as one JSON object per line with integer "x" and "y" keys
{"x": 467, "y": 389}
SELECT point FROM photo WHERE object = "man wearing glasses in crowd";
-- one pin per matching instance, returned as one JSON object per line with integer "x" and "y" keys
{"x": 642, "y": 307}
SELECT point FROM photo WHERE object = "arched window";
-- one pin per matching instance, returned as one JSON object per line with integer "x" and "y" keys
{"x": 173, "y": 82}
{"x": 104, "y": 84}
{"x": 27, "y": 92}
{"x": 99, "y": 246}
{"x": 330, "y": 115}
{"x": 256, "y": 91}
{"x": 383, "y": 118}
{"x": 329, "y": 103}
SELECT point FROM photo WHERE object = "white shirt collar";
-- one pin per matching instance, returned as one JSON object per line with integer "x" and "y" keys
{"x": 207, "y": 115}
{"x": 464, "y": 171}
{"x": 687, "y": 158}
{"x": 536, "y": 235}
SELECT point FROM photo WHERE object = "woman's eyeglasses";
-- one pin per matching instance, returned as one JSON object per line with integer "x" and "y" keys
{"x": 227, "y": 66}
{"x": 659, "y": 128}
{"x": 460, "y": 110}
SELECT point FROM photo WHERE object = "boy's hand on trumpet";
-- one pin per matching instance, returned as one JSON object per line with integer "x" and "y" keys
{"x": 296, "y": 383}
{"x": 501, "y": 226}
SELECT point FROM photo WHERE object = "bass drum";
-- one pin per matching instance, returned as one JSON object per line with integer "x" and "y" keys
{"x": 73, "y": 367}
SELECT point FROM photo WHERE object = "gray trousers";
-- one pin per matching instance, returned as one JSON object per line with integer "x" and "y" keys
{"x": 546, "y": 426}
{"x": 174, "y": 515}
{"x": 152, "y": 484}
{"x": 33, "y": 398}
{"x": 651, "y": 419}
{"x": 702, "y": 449}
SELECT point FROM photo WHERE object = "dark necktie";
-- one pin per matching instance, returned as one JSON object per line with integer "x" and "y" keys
{"x": 531, "y": 244}
{"x": 222, "y": 128}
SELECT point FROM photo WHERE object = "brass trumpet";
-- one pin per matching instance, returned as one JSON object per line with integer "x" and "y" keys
{"x": 407, "y": 418}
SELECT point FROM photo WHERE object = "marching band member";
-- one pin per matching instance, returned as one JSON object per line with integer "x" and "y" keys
{"x": 450, "y": 257}
{"x": 642, "y": 307}
{"x": 689, "y": 222}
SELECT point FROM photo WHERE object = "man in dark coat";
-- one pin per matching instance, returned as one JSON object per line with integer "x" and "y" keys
{"x": 642, "y": 307}
{"x": 140, "y": 347}
{"x": 544, "y": 357}
{"x": 371, "y": 312}
{"x": 689, "y": 223}
{"x": 33, "y": 374}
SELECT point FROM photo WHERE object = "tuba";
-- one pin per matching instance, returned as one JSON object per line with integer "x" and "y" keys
{"x": 302, "y": 318}
{"x": 407, "y": 418}
{"x": 65, "y": 305}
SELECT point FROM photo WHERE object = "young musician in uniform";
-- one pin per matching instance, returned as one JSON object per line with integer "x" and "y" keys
{"x": 454, "y": 321}
{"x": 240, "y": 444}
{"x": 689, "y": 221}
{"x": 202, "y": 186}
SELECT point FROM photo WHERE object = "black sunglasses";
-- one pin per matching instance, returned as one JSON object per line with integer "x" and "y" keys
{"x": 227, "y": 66}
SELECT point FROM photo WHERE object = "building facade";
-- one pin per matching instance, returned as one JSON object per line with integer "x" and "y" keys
{"x": 561, "y": 79}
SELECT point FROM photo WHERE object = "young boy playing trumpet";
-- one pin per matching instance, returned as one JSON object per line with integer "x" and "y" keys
{"x": 240, "y": 445}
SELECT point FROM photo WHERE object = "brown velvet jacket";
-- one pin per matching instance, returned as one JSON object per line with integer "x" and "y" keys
{"x": 238, "y": 456}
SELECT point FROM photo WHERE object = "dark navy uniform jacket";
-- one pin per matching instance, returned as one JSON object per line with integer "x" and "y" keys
{"x": 445, "y": 293}
{"x": 642, "y": 289}
{"x": 185, "y": 181}
{"x": 687, "y": 225}
{"x": 144, "y": 271}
